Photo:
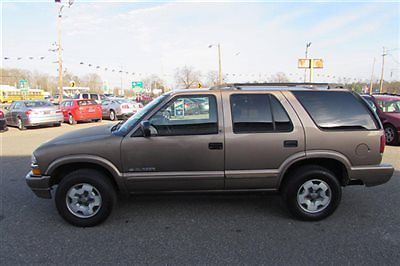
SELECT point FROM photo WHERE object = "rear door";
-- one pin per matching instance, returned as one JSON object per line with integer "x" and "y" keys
{"x": 185, "y": 151}
{"x": 262, "y": 132}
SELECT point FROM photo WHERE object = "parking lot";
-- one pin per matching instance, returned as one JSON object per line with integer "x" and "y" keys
{"x": 193, "y": 229}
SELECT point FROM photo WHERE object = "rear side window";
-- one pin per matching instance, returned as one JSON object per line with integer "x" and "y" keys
{"x": 258, "y": 113}
{"x": 337, "y": 110}
{"x": 94, "y": 97}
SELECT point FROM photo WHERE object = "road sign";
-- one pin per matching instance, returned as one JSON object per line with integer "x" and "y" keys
{"x": 137, "y": 84}
{"x": 306, "y": 63}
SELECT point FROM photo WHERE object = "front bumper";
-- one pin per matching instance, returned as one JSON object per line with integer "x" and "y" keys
{"x": 372, "y": 175}
{"x": 40, "y": 185}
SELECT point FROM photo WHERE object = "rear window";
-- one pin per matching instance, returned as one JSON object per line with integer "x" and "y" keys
{"x": 337, "y": 110}
{"x": 38, "y": 104}
{"x": 86, "y": 102}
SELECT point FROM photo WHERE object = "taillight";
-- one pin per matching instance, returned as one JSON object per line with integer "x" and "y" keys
{"x": 1, "y": 114}
{"x": 29, "y": 112}
{"x": 382, "y": 146}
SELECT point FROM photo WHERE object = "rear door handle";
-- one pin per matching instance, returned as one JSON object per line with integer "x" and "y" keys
{"x": 290, "y": 143}
{"x": 215, "y": 145}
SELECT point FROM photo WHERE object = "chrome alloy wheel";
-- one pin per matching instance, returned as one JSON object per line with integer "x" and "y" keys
{"x": 314, "y": 196}
{"x": 83, "y": 200}
{"x": 389, "y": 134}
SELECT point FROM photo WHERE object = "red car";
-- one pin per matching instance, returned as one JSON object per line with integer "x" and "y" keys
{"x": 387, "y": 106}
{"x": 81, "y": 110}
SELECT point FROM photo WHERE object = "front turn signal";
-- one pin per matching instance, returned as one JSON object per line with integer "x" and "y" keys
{"x": 36, "y": 171}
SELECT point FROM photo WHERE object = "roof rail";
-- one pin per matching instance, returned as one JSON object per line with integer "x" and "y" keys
{"x": 276, "y": 84}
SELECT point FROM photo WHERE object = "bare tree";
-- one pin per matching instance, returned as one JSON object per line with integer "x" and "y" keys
{"x": 279, "y": 77}
{"x": 187, "y": 77}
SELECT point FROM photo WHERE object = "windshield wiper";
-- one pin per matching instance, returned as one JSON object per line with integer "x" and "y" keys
{"x": 117, "y": 126}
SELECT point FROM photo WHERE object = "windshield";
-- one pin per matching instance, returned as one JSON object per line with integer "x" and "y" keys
{"x": 127, "y": 126}
{"x": 38, "y": 104}
{"x": 389, "y": 106}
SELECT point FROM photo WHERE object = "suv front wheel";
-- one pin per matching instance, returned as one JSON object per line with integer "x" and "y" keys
{"x": 312, "y": 193}
{"x": 85, "y": 197}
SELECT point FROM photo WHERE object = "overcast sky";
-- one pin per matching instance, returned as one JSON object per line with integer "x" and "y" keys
{"x": 158, "y": 37}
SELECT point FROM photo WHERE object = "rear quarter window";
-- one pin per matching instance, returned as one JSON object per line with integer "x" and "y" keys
{"x": 337, "y": 110}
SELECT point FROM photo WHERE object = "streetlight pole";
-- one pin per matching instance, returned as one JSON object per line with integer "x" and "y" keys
{"x": 305, "y": 70}
{"x": 219, "y": 62}
{"x": 60, "y": 77}
{"x": 372, "y": 77}
{"x": 59, "y": 46}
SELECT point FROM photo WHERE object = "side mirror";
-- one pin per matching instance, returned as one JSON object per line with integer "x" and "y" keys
{"x": 7, "y": 108}
{"x": 145, "y": 125}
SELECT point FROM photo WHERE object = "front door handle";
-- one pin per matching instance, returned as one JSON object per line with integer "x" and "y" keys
{"x": 290, "y": 143}
{"x": 215, "y": 145}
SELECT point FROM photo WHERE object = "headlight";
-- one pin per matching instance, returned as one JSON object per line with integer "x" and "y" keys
{"x": 35, "y": 166}
{"x": 33, "y": 161}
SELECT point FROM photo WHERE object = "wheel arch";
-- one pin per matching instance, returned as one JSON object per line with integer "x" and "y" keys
{"x": 339, "y": 166}
{"x": 59, "y": 168}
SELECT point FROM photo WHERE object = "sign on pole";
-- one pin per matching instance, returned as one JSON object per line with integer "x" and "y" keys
{"x": 306, "y": 63}
{"x": 137, "y": 86}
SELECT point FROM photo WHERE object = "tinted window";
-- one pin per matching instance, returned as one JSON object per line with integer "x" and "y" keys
{"x": 86, "y": 102}
{"x": 336, "y": 110}
{"x": 258, "y": 113}
{"x": 94, "y": 97}
{"x": 188, "y": 115}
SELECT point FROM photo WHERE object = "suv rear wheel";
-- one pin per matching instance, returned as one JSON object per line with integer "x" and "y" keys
{"x": 312, "y": 193}
{"x": 85, "y": 197}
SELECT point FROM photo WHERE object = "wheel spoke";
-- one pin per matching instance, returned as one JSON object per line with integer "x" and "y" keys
{"x": 83, "y": 200}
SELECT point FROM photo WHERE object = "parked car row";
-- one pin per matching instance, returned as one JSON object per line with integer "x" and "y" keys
{"x": 387, "y": 107}
{"x": 29, "y": 113}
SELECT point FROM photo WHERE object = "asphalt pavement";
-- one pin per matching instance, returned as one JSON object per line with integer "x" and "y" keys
{"x": 193, "y": 229}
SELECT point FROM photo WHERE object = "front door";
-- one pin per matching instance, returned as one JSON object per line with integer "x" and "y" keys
{"x": 185, "y": 150}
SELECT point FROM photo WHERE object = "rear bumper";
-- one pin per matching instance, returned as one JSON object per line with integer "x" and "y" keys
{"x": 40, "y": 185}
{"x": 86, "y": 117}
{"x": 372, "y": 175}
{"x": 43, "y": 120}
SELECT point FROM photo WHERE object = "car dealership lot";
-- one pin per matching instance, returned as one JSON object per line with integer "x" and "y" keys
{"x": 195, "y": 229}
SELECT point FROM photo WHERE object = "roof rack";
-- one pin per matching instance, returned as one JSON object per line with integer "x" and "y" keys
{"x": 239, "y": 86}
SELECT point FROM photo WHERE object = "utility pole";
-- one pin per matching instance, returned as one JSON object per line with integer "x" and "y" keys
{"x": 305, "y": 70}
{"x": 383, "y": 67}
{"x": 372, "y": 77}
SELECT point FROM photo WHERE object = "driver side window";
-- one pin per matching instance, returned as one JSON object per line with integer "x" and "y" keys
{"x": 186, "y": 115}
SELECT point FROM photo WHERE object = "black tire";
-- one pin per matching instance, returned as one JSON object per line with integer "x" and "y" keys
{"x": 20, "y": 124}
{"x": 71, "y": 120}
{"x": 317, "y": 175}
{"x": 391, "y": 134}
{"x": 94, "y": 178}
{"x": 113, "y": 116}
